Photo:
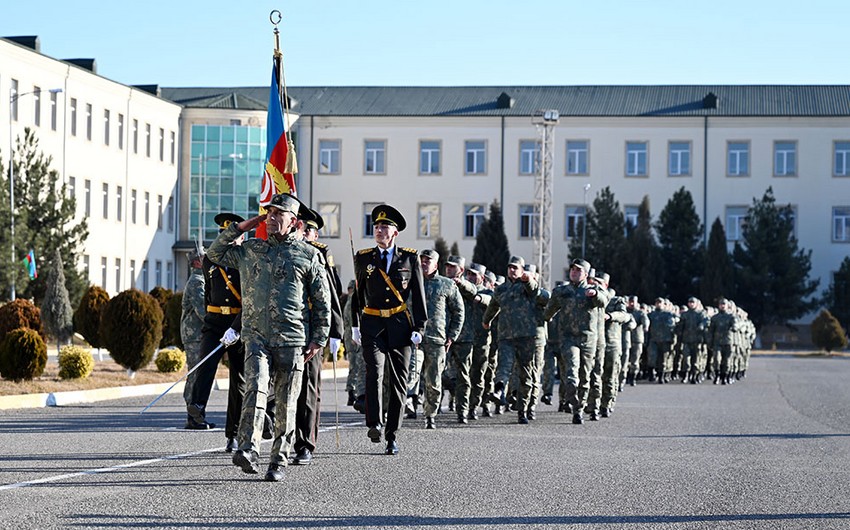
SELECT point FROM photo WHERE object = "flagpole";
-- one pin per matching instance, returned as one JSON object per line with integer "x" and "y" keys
{"x": 291, "y": 162}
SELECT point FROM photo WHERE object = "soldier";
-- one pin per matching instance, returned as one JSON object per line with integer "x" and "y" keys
{"x": 476, "y": 297}
{"x": 308, "y": 410}
{"x": 355, "y": 383}
{"x": 595, "y": 393}
{"x": 517, "y": 332}
{"x": 445, "y": 320}
{"x": 490, "y": 282}
{"x": 662, "y": 332}
{"x": 286, "y": 284}
{"x": 192, "y": 321}
{"x": 615, "y": 316}
{"x": 578, "y": 300}
{"x": 223, "y": 300}
{"x": 387, "y": 276}
{"x": 691, "y": 330}
{"x": 550, "y": 358}
{"x": 539, "y": 344}
{"x": 460, "y": 354}
{"x": 638, "y": 334}
{"x": 723, "y": 327}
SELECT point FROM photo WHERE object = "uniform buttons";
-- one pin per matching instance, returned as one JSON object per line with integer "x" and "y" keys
{"x": 227, "y": 299}
{"x": 387, "y": 300}
{"x": 387, "y": 288}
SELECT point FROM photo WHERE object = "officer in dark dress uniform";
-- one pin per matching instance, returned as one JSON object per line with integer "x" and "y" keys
{"x": 223, "y": 300}
{"x": 307, "y": 410}
{"x": 388, "y": 277}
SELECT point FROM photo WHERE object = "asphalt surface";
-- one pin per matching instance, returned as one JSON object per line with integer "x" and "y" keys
{"x": 772, "y": 451}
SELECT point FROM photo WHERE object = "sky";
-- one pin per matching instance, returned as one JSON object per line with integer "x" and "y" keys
{"x": 447, "y": 43}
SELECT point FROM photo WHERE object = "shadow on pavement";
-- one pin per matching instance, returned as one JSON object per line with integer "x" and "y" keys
{"x": 776, "y": 436}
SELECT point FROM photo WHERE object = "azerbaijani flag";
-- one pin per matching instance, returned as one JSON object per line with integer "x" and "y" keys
{"x": 29, "y": 265}
{"x": 274, "y": 179}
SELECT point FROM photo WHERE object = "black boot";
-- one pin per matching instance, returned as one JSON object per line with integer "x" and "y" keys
{"x": 522, "y": 419}
{"x": 351, "y": 398}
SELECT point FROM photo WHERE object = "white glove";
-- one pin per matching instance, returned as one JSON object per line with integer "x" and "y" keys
{"x": 334, "y": 346}
{"x": 415, "y": 338}
{"x": 230, "y": 337}
{"x": 355, "y": 336}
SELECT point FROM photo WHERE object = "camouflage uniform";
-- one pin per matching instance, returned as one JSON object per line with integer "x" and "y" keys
{"x": 638, "y": 336}
{"x": 662, "y": 330}
{"x": 539, "y": 350}
{"x": 356, "y": 382}
{"x": 191, "y": 323}
{"x": 626, "y": 345}
{"x": 691, "y": 328}
{"x": 281, "y": 275}
{"x": 723, "y": 328}
{"x": 594, "y": 394}
{"x": 470, "y": 349}
{"x": 550, "y": 357}
{"x": 445, "y": 320}
{"x": 616, "y": 317}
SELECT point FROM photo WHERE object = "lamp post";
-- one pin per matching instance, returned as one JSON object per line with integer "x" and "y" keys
{"x": 201, "y": 187}
{"x": 584, "y": 222}
{"x": 14, "y": 97}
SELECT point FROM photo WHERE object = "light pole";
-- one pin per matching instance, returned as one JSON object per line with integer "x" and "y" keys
{"x": 201, "y": 186}
{"x": 13, "y": 97}
{"x": 584, "y": 221}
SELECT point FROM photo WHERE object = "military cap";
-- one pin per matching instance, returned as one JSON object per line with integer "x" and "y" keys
{"x": 693, "y": 299}
{"x": 285, "y": 202}
{"x": 581, "y": 264}
{"x": 478, "y": 269}
{"x": 500, "y": 279}
{"x": 659, "y": 300}
{"x": 430, "y": 253}
{"x": 722, "y": 301}
{"x": 458, "y": 261}
{"x": 224, "y": 219}
{"x": 591, "y": 273}
{"x": 384, "y": 213}
{"x": 560, "y": 283}
{"x": 517, "y": 261}
{"x": 603, "y": 276}
{"x": 311, "y": 217}
{"x": 530, "y": 267}
{"x": 491, "y": 277}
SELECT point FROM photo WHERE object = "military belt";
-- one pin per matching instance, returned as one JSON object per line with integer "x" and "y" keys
{"x": 224, "y": 310}
{"x": 384, "y": 313}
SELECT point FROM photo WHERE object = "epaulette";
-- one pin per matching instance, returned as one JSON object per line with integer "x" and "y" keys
{"x": 318, "y": 245}
{"x": 409, "y": 250}
{"x": 365, "y": 250}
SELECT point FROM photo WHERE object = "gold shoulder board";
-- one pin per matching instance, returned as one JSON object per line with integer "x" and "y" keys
{"x": 408, "y": 249}
{"x": 365, "y": 251}
{"x": 318, "y": 245}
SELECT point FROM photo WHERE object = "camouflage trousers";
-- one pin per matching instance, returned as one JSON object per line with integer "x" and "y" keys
{"x": 611, "y": 374}
{"x": 537, "y": 374}
{"x": 726, "y": 357}
{"x": 520, "y": 353}
{"x": 288, "y": 366}
{"x": 414, "y": 372}
{"x": 550, "y": 358}
{"x": 490, "y": 368}
{"x": 433, "y": 365}
{"x": 478, "y": 375}
{"x": 356, "y": 381}
{"x": 635, "y": 353}
{"x": 193, "y": 355}
{"x": 693, "y": 358}
{"x": 575, "y": 363}
{"x": 461, "y": 357}
{"x": 594, "y": 394}
{"x": 660, "y": 356}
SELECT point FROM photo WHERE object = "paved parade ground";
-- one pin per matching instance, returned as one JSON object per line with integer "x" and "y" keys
{"x": 772, "y": 451}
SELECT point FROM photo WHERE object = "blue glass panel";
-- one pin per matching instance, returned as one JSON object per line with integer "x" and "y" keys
{"x": 199, "y": 133}
{"x": 213, "y": 133}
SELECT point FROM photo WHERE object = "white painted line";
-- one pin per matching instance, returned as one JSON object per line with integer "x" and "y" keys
{"x": 97, "y": 471}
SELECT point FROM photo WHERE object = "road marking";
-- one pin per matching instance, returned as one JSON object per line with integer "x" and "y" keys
{"x": 97, "y": 471}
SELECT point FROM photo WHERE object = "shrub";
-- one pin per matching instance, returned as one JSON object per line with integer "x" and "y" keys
{"x": 162, "y": 296}
{"x": 131, "y": 328}
{"x": 827, "y": 333}
{"x": 87, "y": 315}
{"x": 173, "y": 312}
{"x": 20, "y": 313}
{"x": 75, "y": 362}
{"x": 170, "y": 360}
{"x": 23, "y": 355}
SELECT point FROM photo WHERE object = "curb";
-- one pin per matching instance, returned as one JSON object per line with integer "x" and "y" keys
{"x": 76, "y": 397}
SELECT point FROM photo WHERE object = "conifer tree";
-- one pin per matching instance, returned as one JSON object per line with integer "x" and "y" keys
{"x": 642, "y": 274}
{"x": 56, "y": 312}
{"x": 606, "y": 237}
{"x": 718, "y": 280}
{"x": 837, "y": 296}
{"x": 491, "y": 244}
{"x": 680, "y": 237}
{"x": 443, "y": 250}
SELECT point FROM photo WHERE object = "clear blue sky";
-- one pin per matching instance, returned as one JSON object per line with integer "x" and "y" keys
{"x": 460, "y": 42}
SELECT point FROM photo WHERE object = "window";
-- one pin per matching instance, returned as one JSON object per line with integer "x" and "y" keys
{"x": 738, "y": 159}
{"x": 475, "y": 154}
{"x": 680, "y": 159}
{"x": 105, "y": 127}
{"x": 121, "y": 132}
{"x": 169, "y": 274}
{"x": 132, "y": 274}
{"x": 105, "y": 200}
{"x": 159, "y": 212}
{"x": 144, "y": 276}
{"x": 375, "y": 156}
{"x": 577, "y": 151}
{"x": 135, "y": 136}
{"x": 147, "y": 208}
{"x": 429, "y": 157}
{"x": 636, "y": 155}
{"x": 368, "y": 230}
{"x": 133, "y": 206}
{"x": 162, "y": 145}
{"x": 73, "y": 116}
{"x": 841, "y": 224}
{"x": 169, "y": 214}
{"x": 330, "y": 214}
{"x": 72, "y": 187}
{"x": 429, "y": 221}
{"x": 148, "y": 141}
{"x": 53, "y": 110}
{"x": 36, "y": 104}
{"x": 13, "y": 97}
{"x": 842, "y": 159}
{"x": 329, "y": 157}
{"x": 117, "y": 274}
{"x": 119, "y": 200}
{"x": 103, "y": 273}
{"x": 529, "y": 153}
{"x": 528, "y": 222}
{"x": 630, "y": 215}
{"x": 784, "y": 159}
{"x": 173, "y": 147}
{"x": 88, "y": 121}
{"x": 574, "y": 221}
{"x": 158, "y": 273}
{"x": 473, "y": 216}
{"x": 736, "y": 220}
{"x": 88, "y": 197}
{"x": 86, "y": 267}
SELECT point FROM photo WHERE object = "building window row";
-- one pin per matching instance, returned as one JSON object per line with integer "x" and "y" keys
{"x": 138, "y": 279}
{"x": 165, "y": 211}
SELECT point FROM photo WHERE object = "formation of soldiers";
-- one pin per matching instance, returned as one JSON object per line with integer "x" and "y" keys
{"x": 412, "y": 335}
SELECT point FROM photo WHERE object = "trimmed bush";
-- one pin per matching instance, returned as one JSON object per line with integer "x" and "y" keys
{"x": 173, "y": 313}
{"x": 75, "y": 362}
{"x": 23, "y": 355}
{"x": 827, "y": 333}
{"x": 88, "y": 313}
{"x": 162, "y": 296}
{"x": 170, "y": 360}
{"x": 20, "y": 313}
{"x": 131, "y": 328}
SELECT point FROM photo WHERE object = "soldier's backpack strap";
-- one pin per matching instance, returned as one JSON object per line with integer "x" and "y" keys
{"x": 230, "y": 285}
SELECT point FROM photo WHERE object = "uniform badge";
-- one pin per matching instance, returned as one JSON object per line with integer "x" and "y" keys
{"x": 370, "y": 268}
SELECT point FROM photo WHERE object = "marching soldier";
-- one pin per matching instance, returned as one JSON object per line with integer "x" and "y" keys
{"x": 490, "y": 282}
{"x": 662, "y": 334}
{"x": 615, "y": 316}
{"x": 192, "y": 321}
{"x": 285, "y": 282}
{"x": 387, "y": 276}
{"x": 355, "y": 384}
{"x": 476, "y": 297}
{"x": 638, "y": 334}
{"x": 691, "y": 328}
{"x": 723, "y": 327}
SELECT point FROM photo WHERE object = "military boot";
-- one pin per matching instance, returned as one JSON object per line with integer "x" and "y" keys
{"x": 485, "y": 411}
{"x": 275, "y": 473}
{"x": 577, "y": 418}
{"x": 521, "y": 418}
{"x": 351, "y": 398}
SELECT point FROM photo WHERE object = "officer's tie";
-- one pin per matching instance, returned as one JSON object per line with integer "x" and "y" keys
{"x": 384, "y": 260}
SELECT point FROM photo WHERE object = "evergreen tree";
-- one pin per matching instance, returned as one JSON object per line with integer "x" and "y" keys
{"x": 443, "y": 250}
{"x": 44, "y": 221}
{"x": 56, "y": 309}
{"x": 605, "y": 236}
{"x": 642, "y": 274}
{"x": 680, "y": 237}
{"x": 455, "y": 250}
{"x": 491, "y": 244}
{"x": 772, "y": 272}
{"x": 837, "y": 296}
{"x": 718, "y": 276}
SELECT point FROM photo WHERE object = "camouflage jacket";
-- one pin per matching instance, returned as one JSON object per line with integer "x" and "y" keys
{"x": 662, "y": 326}
{"x": 723, "y": 328}
{"x": 617, "y": 316}
{"x": 519, "y": 299}
{"x": 194, "y": 309}
{"x": 692, "y": 325}
{"x": 277, "y": 277}
{"x": 473, "y": 312}
{"x": 445, "y": 309}
{"x": 642, "y": 321}
{"x": 579, "y": 315}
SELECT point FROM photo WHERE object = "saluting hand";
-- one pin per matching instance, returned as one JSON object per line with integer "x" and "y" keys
{"x": 250, "y": 224}
{"x": 590, "y": 293}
